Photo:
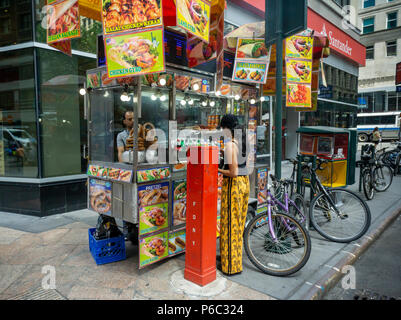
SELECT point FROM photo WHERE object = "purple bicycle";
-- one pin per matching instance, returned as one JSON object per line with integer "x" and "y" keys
{"x": 276, "y": 242}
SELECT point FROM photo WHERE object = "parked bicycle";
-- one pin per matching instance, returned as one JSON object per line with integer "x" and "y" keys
{"x": 275, "y": 241}
{"x": 338, "y": 214}
{"x": 374, "y": 174}
{"x": 393, "y": 158}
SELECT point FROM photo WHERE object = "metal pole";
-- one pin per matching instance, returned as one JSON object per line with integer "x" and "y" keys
{"x": 279, "y": 75}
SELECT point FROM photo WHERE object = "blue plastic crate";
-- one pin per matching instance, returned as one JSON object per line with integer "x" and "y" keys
{"x": 107, "y": 250}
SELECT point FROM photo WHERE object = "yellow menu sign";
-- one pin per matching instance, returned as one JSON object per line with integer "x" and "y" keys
{"x": 194, "y": 17}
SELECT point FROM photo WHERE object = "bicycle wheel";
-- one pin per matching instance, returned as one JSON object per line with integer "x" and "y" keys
{"x": 285, "y": 256}
{"x": 350, "y": 223}
{"x": 299, "y": 212}
{"x": 382, "y": 178}
{"x": 367, "y": 181}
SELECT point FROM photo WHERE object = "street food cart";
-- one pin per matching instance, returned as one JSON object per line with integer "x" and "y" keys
{"x": 336, "y": 145}
{"x": 147, "y": 188}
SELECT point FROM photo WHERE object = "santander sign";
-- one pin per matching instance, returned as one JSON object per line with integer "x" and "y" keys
{"x": 340, "y": 41}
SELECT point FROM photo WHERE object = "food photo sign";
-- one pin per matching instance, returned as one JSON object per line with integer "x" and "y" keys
{"x": 251, "y": 61}
{"x": 176, "y": 242}
{"x": 194, "y": 17}
{"x": 153, "y": 207}
{"x": 128, "y": 15}
{"x": 299, "y": 55}
{"x": 135, "y": 53}
{"x": 152, "y": 249}
{"x": 63, "y": 20}
{"x": 100, "y": 196}
{"x": 179, "y": 202}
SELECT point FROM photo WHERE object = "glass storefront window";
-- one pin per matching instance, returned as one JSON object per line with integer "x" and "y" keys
{"x": 15, "y": 22}
{"x": 263, "y": 135}
{"x": 18, "y": 135}
{"x": 63, "y": 128}
{"x": 89, "y": 30}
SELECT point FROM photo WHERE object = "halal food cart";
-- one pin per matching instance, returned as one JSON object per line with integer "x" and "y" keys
{"x": 146, "y": 186}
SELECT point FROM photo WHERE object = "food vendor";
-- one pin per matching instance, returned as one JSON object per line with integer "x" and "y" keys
{"x": 125, "y": 140}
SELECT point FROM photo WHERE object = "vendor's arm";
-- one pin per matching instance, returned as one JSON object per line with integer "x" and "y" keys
{"x": 232, "y": 171}
{"x": 120, "y": 147}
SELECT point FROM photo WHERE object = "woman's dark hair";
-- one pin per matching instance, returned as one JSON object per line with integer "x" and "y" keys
{"x": 230, "y": 121}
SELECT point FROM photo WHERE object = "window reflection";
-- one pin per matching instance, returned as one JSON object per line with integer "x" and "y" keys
{"x": 18, "y": 138}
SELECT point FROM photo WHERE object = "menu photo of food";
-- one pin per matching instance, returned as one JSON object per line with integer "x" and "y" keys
{"x": 125, "y": 176}
{"x": 250, "y": 72}
{"x": 135, "y": 53}
{"x": 179, "y": 202}
{"x": 262, "y": 186}
{"x": 125, "y": 15}
{"x": 92, "y": 170}
{"x": 152, "y": 249}
{"x": 93, "y": 80}
{"x": 252, "y": 49}
{"x": 194, "y": 17}
{"x": 299, "y": 71}
{"x": 100, "y": 196}
{"x": 299, "y": 47}
{"x": 63, "y": 21}
{"x": 153, "y": 174}
{"x": 153, "y": 207}
{"x": 176, "y": 242}
{"x": 218, "y": 227}
{"x": 158, "y": 79}
{"x": 106, "y": 81}
{"x": 182, "y": 82}
{"x": 299, "y": 95}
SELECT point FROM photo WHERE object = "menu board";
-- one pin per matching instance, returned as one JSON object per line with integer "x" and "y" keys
{"x": 128, "y": 15}
{"x": 63, "y": 20}
{"x": 179, "y": 202}
{"x": 194, "y": 17}
{"x": 176, "y": 242}
{"x": 299, "y": 58}
{"x": 135, "y": 53}
{"x": 100, "y": 196}
{"x": 153, "y": 248}
{"x": 115, "y": 174}
{"x": 153, "y": 207}
{"x": 175, "y": 48}
{"x": 251, "y": 61}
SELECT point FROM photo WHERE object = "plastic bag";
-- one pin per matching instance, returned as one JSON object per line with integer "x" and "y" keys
{"x": 106, "y": 227}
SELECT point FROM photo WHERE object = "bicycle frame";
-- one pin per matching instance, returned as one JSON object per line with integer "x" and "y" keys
{"x": 271, "y": 200}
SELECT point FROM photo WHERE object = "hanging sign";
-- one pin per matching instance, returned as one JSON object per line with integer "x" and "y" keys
{"x": 299, "y": 58}
{"x": 127, "y": 15}
{"x": 135, "y": 53}
{"x": 251, "y": 61}
{"x": 64, "y": 46}
{"x": 63, "y": 20}
{"x": 194, "y": 17}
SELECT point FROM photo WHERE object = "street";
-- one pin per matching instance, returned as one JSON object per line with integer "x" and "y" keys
{"x": 377, "y": 271}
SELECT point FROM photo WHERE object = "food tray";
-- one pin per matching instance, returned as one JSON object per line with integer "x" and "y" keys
{"x": 107, "y": 250}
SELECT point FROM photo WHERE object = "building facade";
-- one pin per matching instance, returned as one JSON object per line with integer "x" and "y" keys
{"x": 380, "y": 22}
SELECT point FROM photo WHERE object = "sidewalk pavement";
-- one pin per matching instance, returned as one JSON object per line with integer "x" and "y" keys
{"x": 27, "y": 244}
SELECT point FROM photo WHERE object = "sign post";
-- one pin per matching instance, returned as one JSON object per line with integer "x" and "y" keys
{"x": 284, "y": 18}
{"x": 200, "y": 256}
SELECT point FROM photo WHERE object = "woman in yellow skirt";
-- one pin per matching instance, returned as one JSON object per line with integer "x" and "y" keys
{"x": 234, "y": 198}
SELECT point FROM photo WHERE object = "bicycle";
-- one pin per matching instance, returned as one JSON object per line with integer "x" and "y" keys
{"x": 393, "y": 158}
{"x": 339, "y": 215}
{"x": 374, "y": 175}
{"x": 275, "y": 242}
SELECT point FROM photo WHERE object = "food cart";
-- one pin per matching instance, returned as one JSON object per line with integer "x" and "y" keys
{"x": 146, "y": 188}
{"x": 336, "y": 145}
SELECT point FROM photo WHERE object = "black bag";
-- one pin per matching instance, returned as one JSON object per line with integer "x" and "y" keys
{"x": 367, "y": 152}
{"x": 106, "y": 227}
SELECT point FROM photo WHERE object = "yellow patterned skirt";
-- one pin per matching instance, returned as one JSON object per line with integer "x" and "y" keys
{"x": 234, "y": 207}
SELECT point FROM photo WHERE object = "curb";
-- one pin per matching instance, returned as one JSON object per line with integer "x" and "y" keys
{"x": 330, "y": 279}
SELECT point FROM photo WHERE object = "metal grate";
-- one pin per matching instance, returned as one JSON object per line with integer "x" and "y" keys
{"x": 369, "y": 295}
{"x": 39, "y": 294}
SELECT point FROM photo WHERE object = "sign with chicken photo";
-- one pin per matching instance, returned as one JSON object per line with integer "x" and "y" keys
{"x": 194, "y": 17}
{"x": 153, "y": 207}
{"x": 299, "y": 71}
{"x": 63, "y": 20}
{"x": 135, "y": 53}
{"x": 127, "y": 15}
{"x": 153, "y": 249}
